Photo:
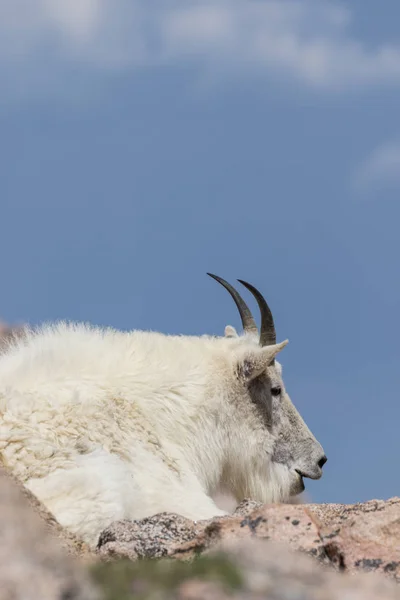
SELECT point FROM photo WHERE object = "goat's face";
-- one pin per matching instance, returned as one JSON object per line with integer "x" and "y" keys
{"x": 271, "y": 448}
{"x": 295, "y": 447}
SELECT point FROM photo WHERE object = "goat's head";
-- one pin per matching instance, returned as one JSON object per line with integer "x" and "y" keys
{"x": 272, "y": 448}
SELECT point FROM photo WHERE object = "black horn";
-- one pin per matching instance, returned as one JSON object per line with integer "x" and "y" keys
{"x": 248, "y": 322}
{"x": 267, "y": 334}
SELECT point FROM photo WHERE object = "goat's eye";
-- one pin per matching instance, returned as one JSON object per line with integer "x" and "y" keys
{"x": 276, "y": 390}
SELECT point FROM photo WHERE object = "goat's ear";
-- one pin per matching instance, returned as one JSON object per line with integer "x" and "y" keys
{"x": 230, "y": 332}
{"x": 254, "y": 361}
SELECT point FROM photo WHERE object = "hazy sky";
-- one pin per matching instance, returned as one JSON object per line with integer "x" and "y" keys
{"x": 144, "y": 143}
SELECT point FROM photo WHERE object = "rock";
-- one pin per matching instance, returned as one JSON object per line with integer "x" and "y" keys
{"x": 246, "y": 507}
{"x": 171, "y": 535}
{"x": 360, "y": 537}
{"x": 33, "y": 563}
{"x": 168, "y": 534}
{"x": 67, "y": 540}
{"x": 364, "y": 536}
{"x": 289, "y": 523}
{"x": 152, "y": 537}
{"x": 249, "y": 569}
{"x": 164, "y": 578}
{"x": 271, "y": 570}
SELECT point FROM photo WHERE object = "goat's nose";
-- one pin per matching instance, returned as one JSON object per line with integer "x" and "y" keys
{"x": 314, "y": 472}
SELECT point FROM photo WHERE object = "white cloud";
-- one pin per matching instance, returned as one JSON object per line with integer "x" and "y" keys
{"x": 380, "y": 169}
{"x": 309, "y": 40}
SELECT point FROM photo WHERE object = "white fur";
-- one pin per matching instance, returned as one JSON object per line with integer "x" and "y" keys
{"x": 104, "y": 425}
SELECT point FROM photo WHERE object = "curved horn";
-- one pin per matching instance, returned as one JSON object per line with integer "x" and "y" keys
{"x": 248, "y": 322}
{"x": 268, "y": 334}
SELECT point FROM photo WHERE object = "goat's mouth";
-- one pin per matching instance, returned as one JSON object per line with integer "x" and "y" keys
{"x": 300, "y": 482}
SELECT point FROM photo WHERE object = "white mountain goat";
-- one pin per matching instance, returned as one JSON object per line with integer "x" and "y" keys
{"x": 103, "y": 425}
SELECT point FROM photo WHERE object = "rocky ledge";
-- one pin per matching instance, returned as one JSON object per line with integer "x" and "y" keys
{"x": 359, "y": 537}
{"x": 258, "y": 552}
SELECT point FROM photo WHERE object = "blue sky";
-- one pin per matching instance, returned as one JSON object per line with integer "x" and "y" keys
{"x": 145, "y": 143}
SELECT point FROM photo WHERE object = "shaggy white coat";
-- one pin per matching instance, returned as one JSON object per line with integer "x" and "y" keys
{"x": 104, "y": 425}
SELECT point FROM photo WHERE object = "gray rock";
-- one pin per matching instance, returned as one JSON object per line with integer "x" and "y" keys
{"x": 246, "y": 569}
{"x": 360, "y": 537}
{"x": 33, "y": 564}
{"x": 153, "y": 537}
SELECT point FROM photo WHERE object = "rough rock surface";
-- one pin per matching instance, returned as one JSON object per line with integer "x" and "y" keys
{"x": 271, "y": 570}
{"x": 68, "y": 541}
{"x": 250, "y": 569}
{"x": 33, "y": 563}
{"x": 173, "y": 536}
{"x": 153, "y": 537}
{"x": 361, "y": 537}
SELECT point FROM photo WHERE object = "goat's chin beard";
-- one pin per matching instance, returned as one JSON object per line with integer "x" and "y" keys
{"x": 297, "y": 487}
{"x": 276, "y": 485}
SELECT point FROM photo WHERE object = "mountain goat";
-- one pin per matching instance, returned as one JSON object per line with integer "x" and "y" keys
{"x": 103, "y": 425}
